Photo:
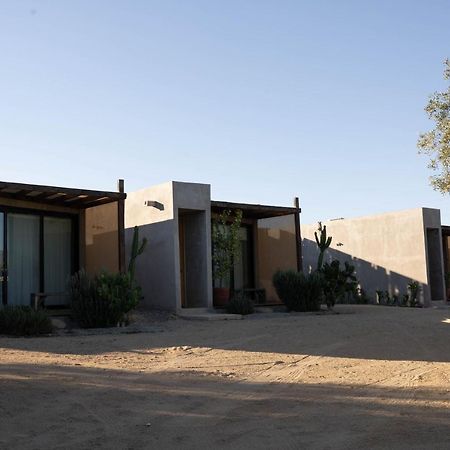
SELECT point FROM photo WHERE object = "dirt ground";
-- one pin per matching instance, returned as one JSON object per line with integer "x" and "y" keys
{"x": 369, "y": 377}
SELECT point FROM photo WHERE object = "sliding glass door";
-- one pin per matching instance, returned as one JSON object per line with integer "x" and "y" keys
{"x": 23, "y": 257}
{"x": 2, "y": 257}
{"x": 57, "y": 258}
{"x": 36, "y": 256}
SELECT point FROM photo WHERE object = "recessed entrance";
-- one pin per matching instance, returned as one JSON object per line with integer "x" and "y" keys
{"x": 435, "y": 264}
{"x": 193, "y": 258}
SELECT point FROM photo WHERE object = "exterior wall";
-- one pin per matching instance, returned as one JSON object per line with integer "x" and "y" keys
{"x": 276, "y": 249}
{"x": 101, "y": 238}
{"x": 158, "y": 268}
{"x": 195, "y": 200}
{"x": 388, "y": 250}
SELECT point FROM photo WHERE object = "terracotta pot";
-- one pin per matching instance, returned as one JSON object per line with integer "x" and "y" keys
{"x": 221, "y": 297}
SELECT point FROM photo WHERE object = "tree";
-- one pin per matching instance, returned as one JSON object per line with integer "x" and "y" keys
{"x": 436, "y": 142}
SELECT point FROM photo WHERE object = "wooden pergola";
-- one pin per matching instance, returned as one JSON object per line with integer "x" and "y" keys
{"x": 256, "y": 212}
{"x": 71, "y": 198}
{"x": 58, "y": 196}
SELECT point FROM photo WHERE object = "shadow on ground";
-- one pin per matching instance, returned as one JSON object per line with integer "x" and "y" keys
{"x": 71, "y": 407}
{"x": 364, "y": 332}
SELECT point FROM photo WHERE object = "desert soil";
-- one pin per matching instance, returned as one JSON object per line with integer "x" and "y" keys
{"x": 369, "y": 377}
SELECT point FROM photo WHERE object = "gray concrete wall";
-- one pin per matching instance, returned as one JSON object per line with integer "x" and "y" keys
{"x": 388, "y": 250}
{"x": 158, "y": 268}
{"x": 194, "y": 200}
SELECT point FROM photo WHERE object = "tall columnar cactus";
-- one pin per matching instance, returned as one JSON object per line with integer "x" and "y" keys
{"x": 323, "y": 243}
{"x": 136, "y": 250}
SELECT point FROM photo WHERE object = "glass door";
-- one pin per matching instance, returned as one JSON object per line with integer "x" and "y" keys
{"x": 23, "y": 255}
{"x": 57, "y": 259}
{"x": 2, "y": 257}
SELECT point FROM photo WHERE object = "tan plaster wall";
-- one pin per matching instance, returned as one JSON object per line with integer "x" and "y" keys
{"x": 102, "y": 239}
{"x": 275, "y": 249}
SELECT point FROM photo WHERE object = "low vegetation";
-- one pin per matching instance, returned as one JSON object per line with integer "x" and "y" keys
{"x": 297, "y": 291}
{"x": 24, "y": 321}
{"x": 107, "y": 299}
{"x": 240, "y": 304}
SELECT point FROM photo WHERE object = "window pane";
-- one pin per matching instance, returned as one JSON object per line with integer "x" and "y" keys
{"x": 57, "y": 258}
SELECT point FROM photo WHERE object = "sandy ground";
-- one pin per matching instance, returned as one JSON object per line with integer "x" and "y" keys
{"x": 370, "y": 377}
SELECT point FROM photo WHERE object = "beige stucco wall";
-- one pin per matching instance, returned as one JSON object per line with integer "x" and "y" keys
{"x": 101, "y": 251}
{"x": 388, "y": 250}
{"x": 275, "y": 249}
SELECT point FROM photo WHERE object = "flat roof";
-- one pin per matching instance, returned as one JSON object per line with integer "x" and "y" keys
{"x": 58, "y": 196}
{"x": 251, "y": 211}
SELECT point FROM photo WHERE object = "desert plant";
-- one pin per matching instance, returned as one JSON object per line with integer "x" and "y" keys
{"x": 338, "y": 282}
{"x": 225, "y": 243}
{"x": 323, "y": 242}
{"x": 414, "y": 289}
{"x": 106, "y": 299}
{"x": 24, "y": 321}
{"x": 299, "y": 292}
{"x": 137, "y": 248}
{"x": 240, "y": 304}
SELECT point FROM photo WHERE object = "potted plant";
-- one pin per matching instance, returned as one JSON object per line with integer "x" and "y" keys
{"x": 225, "y": 248}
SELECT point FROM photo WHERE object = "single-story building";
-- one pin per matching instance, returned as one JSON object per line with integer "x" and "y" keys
{"x": 175, "y": 271}
{"x": 47, "y": 233}
{"x": 389, "y": 251}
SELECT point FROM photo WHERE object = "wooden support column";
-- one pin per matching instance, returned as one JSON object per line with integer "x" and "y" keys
{"x": 298, "y": 236}
{"x": 121, "y": 226}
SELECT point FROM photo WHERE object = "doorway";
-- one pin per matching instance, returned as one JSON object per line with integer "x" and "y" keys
{"x": 193, "y": 258}
{"x": 435, "y": 264}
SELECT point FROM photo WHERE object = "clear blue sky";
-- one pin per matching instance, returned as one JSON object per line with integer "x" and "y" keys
{"x": 263, "y": 99}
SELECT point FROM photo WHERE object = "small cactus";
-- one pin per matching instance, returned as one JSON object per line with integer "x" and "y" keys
{"x": 323, "y": 243}
{"x": 136, "y": 250}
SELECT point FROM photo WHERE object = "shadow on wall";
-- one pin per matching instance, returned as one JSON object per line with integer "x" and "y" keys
{"x": 126, "y": 409}
{"x": 370, "y": 276}
{"x": 155, "y": 268}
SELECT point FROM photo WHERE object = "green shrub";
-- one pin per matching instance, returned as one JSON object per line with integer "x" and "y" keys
{"x": 240, "y": 304}
{"x": 103, "y": 301}
{"x": 24, "y": 321}
{"x": 297, "y": 291}
{"x": 338, "y": 283}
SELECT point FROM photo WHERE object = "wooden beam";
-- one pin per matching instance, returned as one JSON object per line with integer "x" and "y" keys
{"x": 17, "y": 187}
{"x": 298, "y": 235}
{"x": 121, "y": 226}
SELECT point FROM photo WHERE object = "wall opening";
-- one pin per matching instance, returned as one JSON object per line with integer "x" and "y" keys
{"x": 193, "y": 258}
{"x": 435, "y": 264}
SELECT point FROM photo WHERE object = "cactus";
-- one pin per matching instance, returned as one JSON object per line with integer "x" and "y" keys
{"x": 136, "y": 250}
{"x": 323, "y": 243}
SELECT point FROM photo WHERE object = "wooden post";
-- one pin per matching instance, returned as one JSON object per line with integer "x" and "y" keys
{"x": 121, "y": 226}
{"x": 298, "y": 236}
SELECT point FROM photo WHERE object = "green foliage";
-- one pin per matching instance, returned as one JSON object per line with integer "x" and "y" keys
{"x": 225, "y": 243}
{"x": 408, "y": 299}
{"x": 297, "y": 291}
{"x": 107, "y": 299}
{"x": 436, "y": 142}
{"x": 103, "y": 301}
{"x": 240, "y": 304}
{"x": 338, "y": 283}
{"x": 323, "y": 242}
{"x": 136, "y": 250}
{"x": 24, "y": 321}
